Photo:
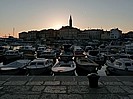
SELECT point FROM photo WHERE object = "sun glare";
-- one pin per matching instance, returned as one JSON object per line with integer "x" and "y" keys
{"x": 57, "y": 26}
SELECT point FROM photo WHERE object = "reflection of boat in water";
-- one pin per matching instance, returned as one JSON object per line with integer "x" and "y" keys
{"x": 120, "y": 66}
{"x": 39, "y": 66}
{"x": 14, "y": 68}
{"x": 85, "y": 66}
{"x": 64, "y": 68}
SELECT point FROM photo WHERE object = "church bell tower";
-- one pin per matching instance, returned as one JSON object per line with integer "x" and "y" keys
{"x": 70, "y": 21}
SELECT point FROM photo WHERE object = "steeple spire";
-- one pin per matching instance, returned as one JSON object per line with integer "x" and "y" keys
{"x": 70, "y": 21}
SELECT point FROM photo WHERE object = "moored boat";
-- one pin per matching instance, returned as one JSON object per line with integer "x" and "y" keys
{"x": 39, "y": 66}
{"x": 12, "y": 54}
{"x": 64, "y": 68}
{"x": 14, "y": 68}
{"x": 84, "y": 66}
{"x": 120, "y": 66}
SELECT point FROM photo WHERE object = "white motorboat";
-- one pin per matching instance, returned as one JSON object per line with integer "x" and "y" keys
{"x": 120, "y": 66}
{"x": 64, "y": 68}
{"x": 39, "y": 66}
{"x": 14, "y": 68}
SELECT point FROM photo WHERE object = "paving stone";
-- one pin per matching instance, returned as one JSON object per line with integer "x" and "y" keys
{"x": 131, "y": 96}
{"x": 49, "y": 96}
{"x": 98, "y": 90}
{"x": 16, "y": 88}
{"x": 64, "y": 78}
{"x": 121, "y": 96}
{"x": 10, "y": 96}
{"x": 108, "y": 79}
{"x": 52, "y": 83}
{"x": 125, "y": 78}
{"x": 20, "y": 78}
{"x": 4, "y": 78}
{"x": 43, "y": 78}
{"x": 128, "y": 89}
{"x": 68, "y": 83}
{"x": 81, "y": 78}
{"x": 78, "y": 89}
{"x": 35, "y": 83}
{"x": 128, "y": 83}
{"x": 1, "y": 87}
{"x": 15, "y": 83}
{"x": 38, "y": 88}
{"x": 100, "y": 96}
{"x": 100, "y": 84}
{"x": 115, "y": 89}
{"x": 1, "y": 82}
{"x": 83, "y": 83}
{"x": 112, "y": 83}
{"x": 55, "y": 89}
{"x": 70, "y": 96}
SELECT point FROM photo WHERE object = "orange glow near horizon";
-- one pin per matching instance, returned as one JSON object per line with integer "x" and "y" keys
{"x": 57, "y": 26}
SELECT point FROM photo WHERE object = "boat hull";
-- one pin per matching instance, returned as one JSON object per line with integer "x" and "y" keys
{"x": 119, "y": 72}
{"x": 13, "y": 72}
{"x": 67, "y": 73}
{"x": 39, "y": 71}
{"x": 85, "y": 70}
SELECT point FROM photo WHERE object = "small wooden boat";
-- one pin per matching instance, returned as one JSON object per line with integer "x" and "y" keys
{"x": 14, "y": 68}
{"x": 64, "y": 68}
{"x": 85, "y": 66}
{"x": 13, "y": 54}
{"x": 39, "y": 66}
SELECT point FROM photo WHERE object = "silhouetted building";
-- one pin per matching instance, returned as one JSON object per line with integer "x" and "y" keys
{"x": 70, "y": 32}
{"x": 90, "y": 34}
{"x": 23, "y": 35}
{"x": 115, "y": 33}
{"x": 105, "y": 35}
{"x": 130, "y": 34}
{"x": 67, "y": 32}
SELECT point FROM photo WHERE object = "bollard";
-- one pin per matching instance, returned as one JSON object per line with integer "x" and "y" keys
{"x": 93, "y": 80}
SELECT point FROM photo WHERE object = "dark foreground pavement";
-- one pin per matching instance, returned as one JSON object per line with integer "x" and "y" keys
{"x": 64, "y": 87}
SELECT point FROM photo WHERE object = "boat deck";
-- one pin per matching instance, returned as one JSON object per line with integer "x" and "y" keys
{"x": 65, "y": 87}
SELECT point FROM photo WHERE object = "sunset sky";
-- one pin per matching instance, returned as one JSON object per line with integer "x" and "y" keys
{"x": 26, "y": 15}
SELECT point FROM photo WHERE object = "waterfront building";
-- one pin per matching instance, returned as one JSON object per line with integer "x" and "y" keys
{"x": 105, "y": 35}
{"x": 68, "y": 32}
{"x": 115, "y": 33}
{"x": 91, "y": 34}
{"x": 23, "y": 35}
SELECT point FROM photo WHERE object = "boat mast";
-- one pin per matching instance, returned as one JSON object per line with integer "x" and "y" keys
{"x": 13, "y": 31}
